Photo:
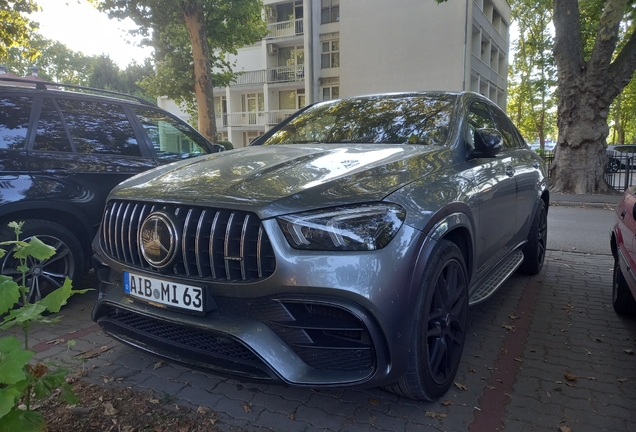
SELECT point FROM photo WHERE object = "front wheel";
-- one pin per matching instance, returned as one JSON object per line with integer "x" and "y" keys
{"x": 45, "y": 276}
{"x": 622, "y": 298}
{"x": 534, "y": 250}
{"x": 440, "y": 326}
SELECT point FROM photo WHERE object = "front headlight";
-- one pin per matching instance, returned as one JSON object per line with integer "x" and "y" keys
{"x": 360, "y": 228}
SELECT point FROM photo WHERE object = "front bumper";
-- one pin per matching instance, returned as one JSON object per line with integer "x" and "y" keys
{"x": 321, "y": 320}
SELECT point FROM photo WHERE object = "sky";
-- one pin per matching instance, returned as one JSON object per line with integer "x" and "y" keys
{"x": 81, "y": 27}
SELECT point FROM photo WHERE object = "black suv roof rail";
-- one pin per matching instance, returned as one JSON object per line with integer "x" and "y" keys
{"x": 42, "y": 85}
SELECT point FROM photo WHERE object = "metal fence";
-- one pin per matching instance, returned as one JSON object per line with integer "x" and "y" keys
{"x": 619, "y": 171}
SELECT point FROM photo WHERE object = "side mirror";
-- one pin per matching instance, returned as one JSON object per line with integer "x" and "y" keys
{"x": 488, "y": 142}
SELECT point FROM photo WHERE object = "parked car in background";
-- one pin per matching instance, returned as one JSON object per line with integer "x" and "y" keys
{"x": 623, "y": 248}
{"x": 61, "y": 152}
{"x": 619, "y": 156}
{"x": 342, "y": 248}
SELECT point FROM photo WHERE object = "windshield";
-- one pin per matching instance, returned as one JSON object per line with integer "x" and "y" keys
{"x": 398, "y": 119}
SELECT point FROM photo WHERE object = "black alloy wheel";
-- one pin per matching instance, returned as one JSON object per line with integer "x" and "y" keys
{"x": 535, "y": 249}
{"x": 45, "y": 276}
{"x": 440, "y": 327}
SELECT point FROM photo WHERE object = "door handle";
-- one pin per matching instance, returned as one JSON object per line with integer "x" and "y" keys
{"x": 510, "y": 171}
{"x": 623, "y": 213}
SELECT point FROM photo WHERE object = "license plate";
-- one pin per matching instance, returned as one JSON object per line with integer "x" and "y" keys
{"x": 163, "y": 292}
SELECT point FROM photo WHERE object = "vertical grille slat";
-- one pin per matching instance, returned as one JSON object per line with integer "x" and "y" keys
{"x": 226, "y": 248}
{"x": 259, "y": 260}
{"x": 217, "y": 244}
{"x": 242, "y": 247}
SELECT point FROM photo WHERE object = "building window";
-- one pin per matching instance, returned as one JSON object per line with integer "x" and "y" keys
{"x": 330, "y": 11}
{"x": 329, "y": 93}
{"x": 330, "y": 57}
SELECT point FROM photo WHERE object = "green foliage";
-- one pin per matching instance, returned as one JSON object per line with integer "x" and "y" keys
{"x": 229, "y": 25}
{"x": 532, "y": 75}
{"x": 19, "y": 380}
{"x": 16, "y": 28}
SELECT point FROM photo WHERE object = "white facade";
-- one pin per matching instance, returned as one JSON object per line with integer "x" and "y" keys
{"x": 325, "y": 49}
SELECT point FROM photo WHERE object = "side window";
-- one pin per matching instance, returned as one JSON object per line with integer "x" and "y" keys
{"x": 99, "y": 128}
{"x": 50, "y": 135}
{"x": 15, "y": 112}
{"x": 478, "y": 118}
{"x": 171, "y": 139}
{"x": 507, "y": 129}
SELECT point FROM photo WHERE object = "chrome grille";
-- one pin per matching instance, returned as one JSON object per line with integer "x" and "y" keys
{"x": 216, "y": 244}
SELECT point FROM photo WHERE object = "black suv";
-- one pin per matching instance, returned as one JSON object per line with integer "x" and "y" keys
{"x": 62, "y": 149}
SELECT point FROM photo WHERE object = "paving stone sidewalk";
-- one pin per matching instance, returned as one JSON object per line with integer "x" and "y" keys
{"x": 545, "y": 352}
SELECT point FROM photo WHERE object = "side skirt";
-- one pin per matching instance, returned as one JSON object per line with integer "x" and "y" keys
{"x": 499, "y": 275}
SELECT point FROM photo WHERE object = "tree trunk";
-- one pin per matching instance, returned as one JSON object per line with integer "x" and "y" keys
{"x": 585, "y": 91}
{"x": 203, "y": 87}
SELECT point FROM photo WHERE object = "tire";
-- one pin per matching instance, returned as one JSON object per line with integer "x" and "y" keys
{"x": 613, "y": 166}
{"x": 622, "y": 298}
{"x": 534, "y": 250}
{"x": 440, "y": 326}
{"x": 45, "y": 276}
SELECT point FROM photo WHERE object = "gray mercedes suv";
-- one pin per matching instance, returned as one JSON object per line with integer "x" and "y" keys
{"x": 342, "y": 248}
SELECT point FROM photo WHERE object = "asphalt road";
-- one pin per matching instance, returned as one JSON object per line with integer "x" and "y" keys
{"x": 580, "y": 229}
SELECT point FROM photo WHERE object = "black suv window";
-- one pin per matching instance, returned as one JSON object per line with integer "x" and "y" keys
{"x": 100, "y": 128}
{"x": 14, "y": 121}
{"x": 51, "y": 135}
{"x": 172, "y": 140}
{"x": 511, "y": 138}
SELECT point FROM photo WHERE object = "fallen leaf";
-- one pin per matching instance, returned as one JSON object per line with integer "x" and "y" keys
{"x": 154, "y": 401}
{"x": 461, "y": 386}
{"x": 93, "y": 353}
{"x": 508, "y": 327}
{"x": 629, "y": 351}
{"x": 598, "y": 339}
{"x": 159, "y": 364}
{"x": 472, "y": 371}
{"x": 565, "y": 429}
{"x": 108, "y": 380}
{"x": 109, "y": 409}
{"x": 291, "y": 416}
{"x": 247, "y": 407}
{"x": 569, "y": 384}
{"x": 592, "y": 378}
{"x": 567, "y": 307}
{"x": 491, "y": 387}
{"x": 203, "y": 410}
{"x": 548, "y": 394}
{"x": 622, "y": 380}
{"x": 569, "y": 377}
{"x": 519, "y": 359}
{"x": 435, "y": 415}
{"x": 513, "y": 317}
{"x": 374, "y": 402}
{"x": 447, "y": 403}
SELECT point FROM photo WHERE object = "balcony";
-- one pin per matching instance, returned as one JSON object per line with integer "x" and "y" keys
{"x": 285, "y": 29}
{"x": 252, "y": 118}
{"x": 274, "y": 75}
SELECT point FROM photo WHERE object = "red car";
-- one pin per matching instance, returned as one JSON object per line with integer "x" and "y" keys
{"x": 623, "y": 244}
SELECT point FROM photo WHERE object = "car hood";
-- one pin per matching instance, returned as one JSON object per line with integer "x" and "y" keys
{"x": 280, "y": 179}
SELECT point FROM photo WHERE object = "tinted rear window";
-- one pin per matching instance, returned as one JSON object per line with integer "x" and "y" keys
{"x": 100, "y": 128}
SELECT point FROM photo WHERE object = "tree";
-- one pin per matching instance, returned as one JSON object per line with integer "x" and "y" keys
{"x": 16, "y": 28}
{"x": 587, "y": 85}
{"x": 190, "y": 37}
{"x": 56, "y": 62}
{"x": 532, "y": 75}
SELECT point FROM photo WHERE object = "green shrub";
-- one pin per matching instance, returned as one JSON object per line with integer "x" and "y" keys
{"x": 22, "y": 381}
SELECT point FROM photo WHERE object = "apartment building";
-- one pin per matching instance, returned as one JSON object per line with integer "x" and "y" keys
{"x": 317, "y": 50}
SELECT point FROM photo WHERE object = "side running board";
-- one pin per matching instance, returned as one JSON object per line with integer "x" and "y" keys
{"x": 496, "y": 279}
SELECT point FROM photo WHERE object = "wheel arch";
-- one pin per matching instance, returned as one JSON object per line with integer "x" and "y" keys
{"x": 76, "y": 223}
